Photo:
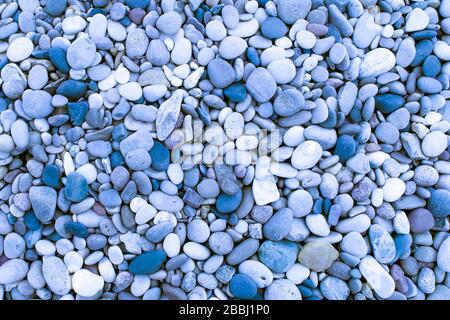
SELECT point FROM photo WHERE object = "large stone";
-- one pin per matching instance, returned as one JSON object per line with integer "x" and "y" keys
{"x": 43, "y": 201}
{"x": 318, "y": 255}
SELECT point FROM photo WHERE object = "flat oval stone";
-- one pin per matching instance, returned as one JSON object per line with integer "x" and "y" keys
{"x": 276, "y": 228}
{"x": 148, "y": 262}
{"x": 382, "y": 244}
{"x": 318, "y": 255}
{"x": 278, "y": 256}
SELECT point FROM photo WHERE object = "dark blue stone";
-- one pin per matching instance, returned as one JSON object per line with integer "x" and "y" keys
{"x": 226, "y": 203}
{"x": 59, "y": 58}
{"x": 148, "y": 262}
{"x": 50, "y": 175}
{"x": 137, "y": 3}
{"x": 424, "y": 34}
{"x": 423, "y": 49}
{"x": 389, "y": 102}
{"x": 326, "y": 205}
{"x": 76, "y": 189}
{"x": 233, "y": 219}
{"x": 119, "y": 132}
{"x": 72, "y": 89}
{"x": 77, "y": 229}
{"x": 273, "y": 28}
{"x": 305, "y": 291}
{"x": 439, "y": 203}
{"x": 55, "y": 7}
{"x": 40, "y": 54}
{"x": 93, "y": 85}
{"x": 253, "y": 56}
{"x": 116, "y": 159}
{"x": 55, "y": 236}
{"x": 431, "y": 66}
{"x": 160, "y": 156}
{"x": 403, "y": 243}
{"x": 155, "y": 184}
{"x": 203, "y": 113}
{"x": 242, "y": 286}
{"x": 3, "y": 104}
{"x": 262, "y": 3}
{"x": 31, "y": 221}
{"x": 199, "y": 14}
{"x": 345, "y": 147}
{"x": 77, "y": 112}
{"x": 317, "y": 207}
{"x": 236, "y": 92}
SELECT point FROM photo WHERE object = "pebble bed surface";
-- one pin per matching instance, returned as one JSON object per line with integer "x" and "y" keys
{"x": 224, "y": 149}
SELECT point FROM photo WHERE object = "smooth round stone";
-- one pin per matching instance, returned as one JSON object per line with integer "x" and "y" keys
{"x": 56, "y": 7}
{"x": 389, "y": 102}
{"x": 276, "y": 228}
{"x": 226, "y": 203}
{"x": 169, "y": 23}
{"x": 317, "y": 224}
{"x": 377, "y": 277}
{"x": 305, "y": 39}
{"x": 221, "y": 73}
{"x": 376, "y": 62}
{"x": 382, "y": 244}
{"x": 439, "y": 203}
{"x": 198, "y": 231}
{"x": 230, "y": 16}
{"x": 301, "y": 203}
{"x": 220, "y": 243}
{"x": 13, "y": 246}
{"x": 421, "y": 220}
{"x": 20, "y": 49}
{"x": 76, "y": 188}
{"x": 393, "y": 189}
{"x": 434, "y": 143}
{"x": 387, "y": 133}
{"x": 215, "y": 30}
{"x": 288, "y": 102}
{"x": 72, "y": 89}
{"x": 232, "y": 47}
{"x": 87, "y": 284}
{"x": 6, "y": 143}
{"x": 292, "y": 10}
{"x": 278, "y": 256}
{"x": 37, "y": 103}
{"x": 81, "y": 54}
{"x": 431, "y": 66}
{"x": 37, "y": 77}
{"x": 283, "y": 71}
{"x": 306, "y": 155}
{"x": 208, "y": 188}
{"x": 136, "y": 43}
{"x": 261, "y": 85}
{"x": 56, "y": 275}
{"x": 282, "y": 289}
{"x": 13, "y": 270}
{"x": 334, "y": 288}
{"x": 273, "y": 28}
{"x": 138, "y": 159}
{"x": 236, "y": 92}
{"x": 242, "y": 286}
{"x": 73, "y": 25}
{"x": 148, "y": 262}
{"x": 318, "y": 255}
{"x": 354, "y": 244}
{"x": 429, "y": 85}
{"x": 181, "y": 52}
{"x": 160, "y": 157}
{"x": 345, "y": 147}
{"x": 43, "y": 201}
